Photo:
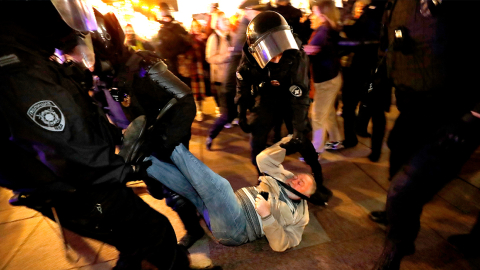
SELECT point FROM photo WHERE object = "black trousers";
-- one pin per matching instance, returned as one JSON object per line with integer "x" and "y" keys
{"x": 228, "y": 109}
{"x": 114, "y": 214}
{"x": 379, "y": 122}
{"x": 412, "y": 130}
{"x": 354, "y": 88}
{"x": 266, "y": 119}
{"x": 427, "y": 172}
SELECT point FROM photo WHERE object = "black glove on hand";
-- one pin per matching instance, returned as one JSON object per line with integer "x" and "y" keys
{"x": 462, "y": 132}
{"x": 295, "y": 144}
{"x": 242, "y": 122}
{"x": 140, "y": 170}
{"x": 292, "y": 146}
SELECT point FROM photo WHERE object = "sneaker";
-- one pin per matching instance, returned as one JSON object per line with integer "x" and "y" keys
{"x": 208, "y": 144}
{"x": 227, "y": 125}
{"x": 199, "y": 117}
{"x": 217, "y": 112}
{"x": 235, "y": 121}
{"x": 334, "y": 146}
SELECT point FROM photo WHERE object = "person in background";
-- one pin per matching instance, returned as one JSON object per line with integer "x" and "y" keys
{"x": 215, "y": 12}
{"x": 325, "y": 67}
{"x": 173, "y": 40}
{"x": 199, "y": 78}
{"x": 218, "y": 55}
{"x": 363, "y": 75}
{"x": 132, "y": 40}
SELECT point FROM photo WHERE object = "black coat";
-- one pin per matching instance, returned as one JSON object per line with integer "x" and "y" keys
{"x": 254, "y": 87}
{"x": 52, "y": 128}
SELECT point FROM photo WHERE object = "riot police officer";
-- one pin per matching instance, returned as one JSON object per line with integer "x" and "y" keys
{"x": 62, "y": 147}
{"x": 142, "y": 84}
{"x": 438, "y": 127}
{"x": 272, "y": 83}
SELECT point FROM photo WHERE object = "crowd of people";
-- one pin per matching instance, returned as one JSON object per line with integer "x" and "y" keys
{"x": 71, "y": 92}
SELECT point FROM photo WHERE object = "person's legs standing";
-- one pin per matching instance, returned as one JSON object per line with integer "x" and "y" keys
{"x": 228, "y": 112}
{"x": 323, "y": 105}
{"x": 436, "y": 164}
{"x": 379, "y": 123}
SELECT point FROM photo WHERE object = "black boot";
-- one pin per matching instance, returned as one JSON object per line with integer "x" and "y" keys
{"x": 468, "y": 244}
{"x": 321, "y": 196}
{"x": 392, "y": 255}
{"x": 379, "y": 217}
{"x": 188, "y": 214}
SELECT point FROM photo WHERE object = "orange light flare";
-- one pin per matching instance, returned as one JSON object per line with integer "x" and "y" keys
{"x": 144, "y": 28}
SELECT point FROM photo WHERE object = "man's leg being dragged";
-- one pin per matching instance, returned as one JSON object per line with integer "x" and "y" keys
{"x": 210, "y": 193}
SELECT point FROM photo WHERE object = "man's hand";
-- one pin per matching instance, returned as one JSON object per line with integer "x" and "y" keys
{"x": 262, "y": 206}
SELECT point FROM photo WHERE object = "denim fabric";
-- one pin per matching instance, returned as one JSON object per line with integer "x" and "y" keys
{"x": 210, "y": 193}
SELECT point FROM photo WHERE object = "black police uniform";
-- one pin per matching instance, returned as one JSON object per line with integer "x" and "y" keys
{"x": 279, "y": 91}
{"x": 52, "y": 125}
{"x": 148, "y": 95}
{"x": 435, "y": 133}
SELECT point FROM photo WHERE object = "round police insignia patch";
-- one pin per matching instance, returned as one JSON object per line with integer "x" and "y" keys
{"x": 48, "y": 115}
{"x": 239, "y": 76}
{"x": 296, "y": 91}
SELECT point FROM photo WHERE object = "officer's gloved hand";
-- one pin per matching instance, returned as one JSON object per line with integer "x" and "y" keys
{"x": 140, "y": 170}
{"x": 462, "y": 132}
{"x": 295, "y": 144}
{"x": 243, "y": 123}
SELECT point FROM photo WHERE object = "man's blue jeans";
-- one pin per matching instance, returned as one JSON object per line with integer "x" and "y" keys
{"x": 209, "y": 192}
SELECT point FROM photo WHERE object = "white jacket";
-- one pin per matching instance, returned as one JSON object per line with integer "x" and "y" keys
{"x": 217, "y": 55}
{"x": 282, "y": 228}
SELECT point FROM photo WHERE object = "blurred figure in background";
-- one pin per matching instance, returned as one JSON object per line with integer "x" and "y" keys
{"x": 173, "y": 40}
{"x": 133, "y": 41}
{"x": 215, "y": 12}
{"x": 218, "y": 56}
{"x": 199, "y": 68}
{"x": 325, "y": 67}
{"x": 363, "y": 36}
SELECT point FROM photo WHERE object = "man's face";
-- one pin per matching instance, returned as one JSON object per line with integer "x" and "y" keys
{"x": 302, "y": 183}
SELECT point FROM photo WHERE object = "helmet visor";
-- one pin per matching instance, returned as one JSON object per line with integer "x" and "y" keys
{"x": 272, "y": 45}
{"x": 78, "y": 14}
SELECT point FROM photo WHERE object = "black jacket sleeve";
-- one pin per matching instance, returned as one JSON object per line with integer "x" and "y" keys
{"x": 13, "y": 174}
{"x": 300, "y": 99}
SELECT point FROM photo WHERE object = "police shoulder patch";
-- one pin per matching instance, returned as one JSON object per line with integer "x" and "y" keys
{"x": 239, "y": 76}
{"x": 47, "y": 115}
{"x": 296, "y": 90}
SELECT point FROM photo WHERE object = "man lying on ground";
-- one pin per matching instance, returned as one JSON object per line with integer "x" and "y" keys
{"x": 239, "y": 217}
